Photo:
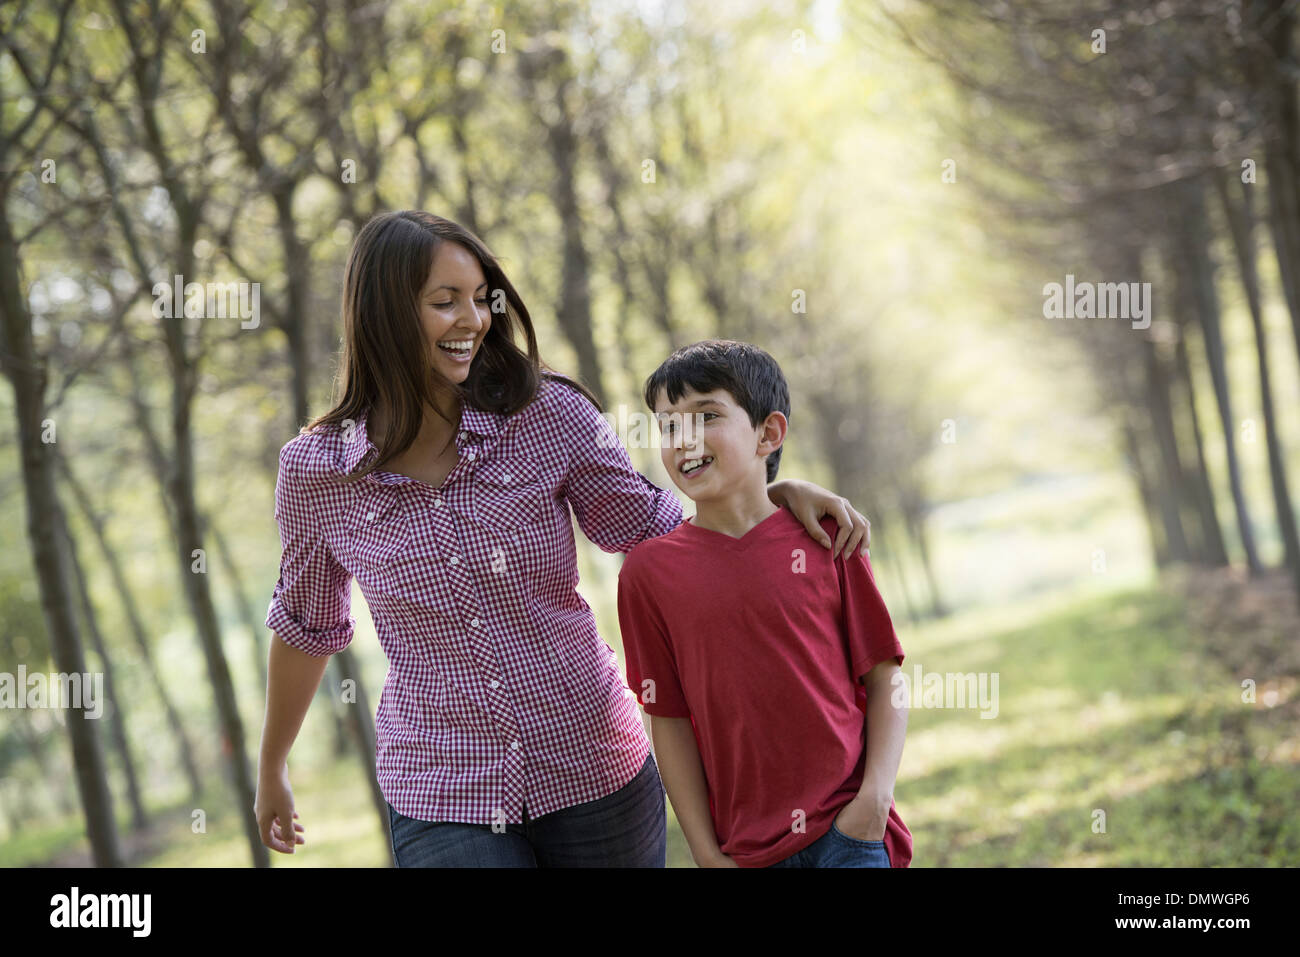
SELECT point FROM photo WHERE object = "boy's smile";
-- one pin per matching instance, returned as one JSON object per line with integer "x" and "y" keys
{"x": 692, "y": 466}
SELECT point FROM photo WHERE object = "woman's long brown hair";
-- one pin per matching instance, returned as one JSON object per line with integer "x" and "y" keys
{"x": 385, "y": 357}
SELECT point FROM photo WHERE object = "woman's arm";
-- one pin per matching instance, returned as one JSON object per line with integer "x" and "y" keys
{"x": 810, "y": 502}
{"x": 292, "y": 681}
{"x": 615, "y": 505}
{"x": 678, "y": 757}
{"x": 310, "y": 619}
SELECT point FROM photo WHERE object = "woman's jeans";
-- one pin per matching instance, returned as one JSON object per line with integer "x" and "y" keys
{"x": 625, "y": 829}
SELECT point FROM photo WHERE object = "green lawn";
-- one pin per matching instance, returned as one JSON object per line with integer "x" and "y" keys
{"x": 1107, "y": 704}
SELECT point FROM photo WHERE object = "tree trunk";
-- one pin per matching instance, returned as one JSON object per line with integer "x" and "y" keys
{"x": 113, "y": 698}
{"x": 1149, "y": 498}
{"x": 1200, "y": 276}
{"x": 915, "y": 525}
{"x": 184, "y": 749}
{"x": 1162, "y": 424}
{"x": 45, "y": 520}
{"x": 1271, "y": 73}
{"x": 253, "y": 623}
{"x": 574, "y": 313}
{"x": 1241, "y": 223}
{"x": 1199, "y": 490}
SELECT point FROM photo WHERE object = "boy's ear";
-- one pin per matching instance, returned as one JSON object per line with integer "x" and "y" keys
{"x": 774, "y": 428}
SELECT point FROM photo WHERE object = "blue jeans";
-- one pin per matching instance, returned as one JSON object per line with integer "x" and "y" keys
{"x": 836, "y": 849}
{"x": 625, "y": 829}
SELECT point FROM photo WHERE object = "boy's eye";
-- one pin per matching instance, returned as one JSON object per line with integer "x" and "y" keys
{"x": 668, "y": 427}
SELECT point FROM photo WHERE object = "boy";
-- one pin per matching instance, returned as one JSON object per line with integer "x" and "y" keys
{"x": 746, "y": 645}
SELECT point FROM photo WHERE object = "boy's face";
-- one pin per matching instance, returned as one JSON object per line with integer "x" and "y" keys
{"x": 710, "y": 432}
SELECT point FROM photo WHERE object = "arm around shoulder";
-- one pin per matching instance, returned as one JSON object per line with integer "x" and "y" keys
{"x": 615, "y": 505}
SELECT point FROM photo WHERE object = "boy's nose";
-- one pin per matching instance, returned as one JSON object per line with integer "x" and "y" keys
{"x": 691, "y": 429}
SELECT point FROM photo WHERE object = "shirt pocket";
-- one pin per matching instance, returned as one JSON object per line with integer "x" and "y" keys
{"x": 378, "y": 531}
{"x": 508, "y": 493}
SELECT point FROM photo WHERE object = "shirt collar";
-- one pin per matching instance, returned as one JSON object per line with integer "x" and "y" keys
{"x": 357, "y": 444}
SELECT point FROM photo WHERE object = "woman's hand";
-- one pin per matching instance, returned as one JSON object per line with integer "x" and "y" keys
{"x": 810, "y": 502}
{"x": 272, "y": 807}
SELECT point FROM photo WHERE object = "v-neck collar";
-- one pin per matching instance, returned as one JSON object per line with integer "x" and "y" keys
{"x": 722, "y": 539}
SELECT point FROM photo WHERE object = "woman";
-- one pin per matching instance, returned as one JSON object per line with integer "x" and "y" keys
{"x": 443, "y": 481}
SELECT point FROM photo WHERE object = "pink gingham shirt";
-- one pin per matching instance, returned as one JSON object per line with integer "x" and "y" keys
{"x": 499, "y": 693}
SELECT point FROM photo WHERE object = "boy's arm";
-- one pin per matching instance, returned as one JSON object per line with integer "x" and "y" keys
{"x": 682, "y": 771}
{"x": 875, "y": 654}
{"x": 867, "y": 815}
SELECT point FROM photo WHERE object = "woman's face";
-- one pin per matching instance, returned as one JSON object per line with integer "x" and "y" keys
{"x": 454, "y": 310}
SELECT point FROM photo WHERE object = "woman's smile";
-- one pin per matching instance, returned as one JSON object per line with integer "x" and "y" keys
{"x": 458, "y": 350}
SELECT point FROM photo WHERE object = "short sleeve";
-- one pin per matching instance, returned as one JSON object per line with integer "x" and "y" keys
{"x": 311, "y": 604}
{"x": 615, "y": 505}
{"x": 867, "y": 625}
{"x": 651, "y": 666}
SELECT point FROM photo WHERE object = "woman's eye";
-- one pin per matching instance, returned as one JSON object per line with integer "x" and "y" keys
{"x": 440, "y": 305}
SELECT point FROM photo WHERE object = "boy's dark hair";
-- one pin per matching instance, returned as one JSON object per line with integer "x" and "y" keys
{"x": 749, "y": 374}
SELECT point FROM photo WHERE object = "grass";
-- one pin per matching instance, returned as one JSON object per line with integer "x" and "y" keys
{"x": 1109, "y": 709}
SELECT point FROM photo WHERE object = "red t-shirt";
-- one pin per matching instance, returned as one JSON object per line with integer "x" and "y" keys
{"x": 761, "y": 641}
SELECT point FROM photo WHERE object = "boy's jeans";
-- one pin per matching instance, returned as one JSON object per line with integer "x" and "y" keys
{"x": 834, "y": 849}
{"x": 625, "y": 829}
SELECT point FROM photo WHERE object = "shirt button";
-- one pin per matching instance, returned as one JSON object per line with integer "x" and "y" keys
{"x": 497, "y": 684}
{"x": 437, "y": 502}
{"x": 462, "y": 436}
{"x": 454, "y": 560}
{"x": 473, "y": 622}
{"x": 470, "y": 454}
{"x": 514, "y": 745}
{"x": 506, "y": 477}
{"x": 370, "y": 516}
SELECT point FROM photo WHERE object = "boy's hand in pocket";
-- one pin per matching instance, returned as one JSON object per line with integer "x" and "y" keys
{"x": 863, "y": 820}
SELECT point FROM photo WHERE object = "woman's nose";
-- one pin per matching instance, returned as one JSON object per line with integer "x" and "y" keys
{"x": 473, "y": 320}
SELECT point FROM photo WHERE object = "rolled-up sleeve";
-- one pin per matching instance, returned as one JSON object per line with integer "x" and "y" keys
{"x": 615, "y": 505}
{"x": 311, "y": 604}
